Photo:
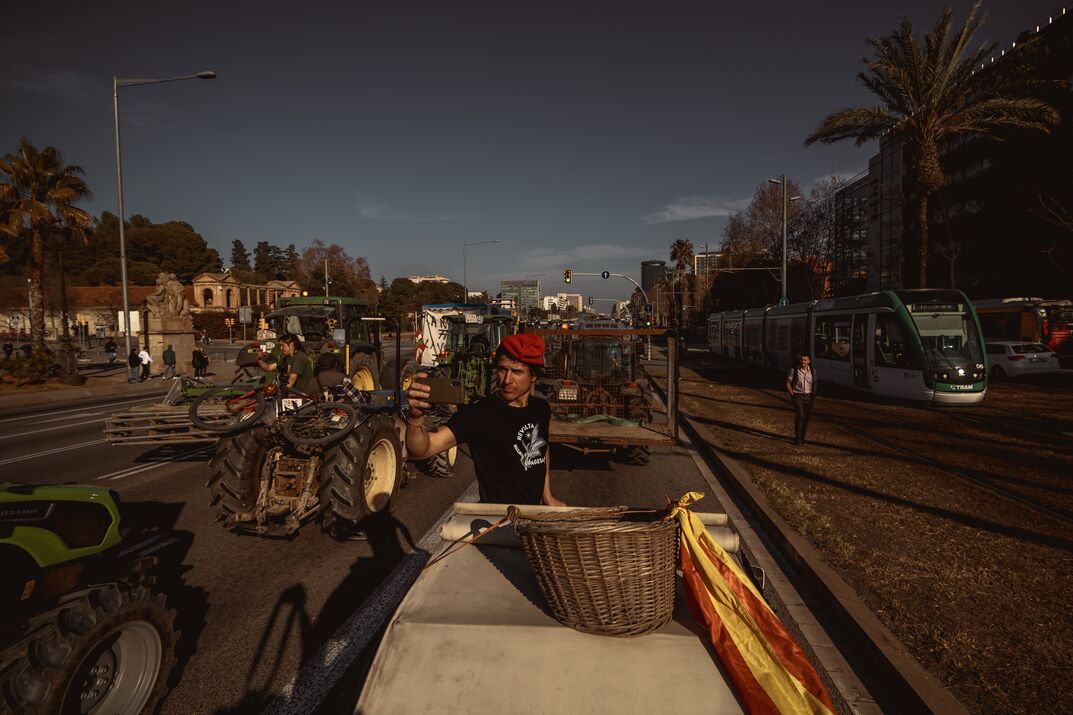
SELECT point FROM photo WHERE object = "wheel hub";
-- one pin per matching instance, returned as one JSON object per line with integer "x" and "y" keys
{"x": 120, "y": 673}
{"x": 380, "y": 471}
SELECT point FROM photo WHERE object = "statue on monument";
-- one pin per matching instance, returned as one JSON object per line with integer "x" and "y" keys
{"x": 169, "y": 299}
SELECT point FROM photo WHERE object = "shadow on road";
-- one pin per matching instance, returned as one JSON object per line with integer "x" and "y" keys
{"x": 290, "y": 625}
{"x": 148, "y": 528}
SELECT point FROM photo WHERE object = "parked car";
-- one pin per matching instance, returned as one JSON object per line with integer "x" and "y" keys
{"x": 1014, "y": 358}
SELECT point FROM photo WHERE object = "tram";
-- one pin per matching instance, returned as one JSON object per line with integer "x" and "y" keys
{"x": 921, "y": 345}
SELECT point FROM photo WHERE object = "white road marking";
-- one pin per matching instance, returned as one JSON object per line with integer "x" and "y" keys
{"x": 50, "y": 429}
{"x": 83, "y": 408}
{"x": 12, "y": 460}
{"x": 139, "y": 468}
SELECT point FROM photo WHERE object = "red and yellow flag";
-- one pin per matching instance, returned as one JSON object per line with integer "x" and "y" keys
{"x": 769, "y": 671}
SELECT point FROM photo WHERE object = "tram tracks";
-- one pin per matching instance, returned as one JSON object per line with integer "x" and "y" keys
{"x": 1058, "y": 514}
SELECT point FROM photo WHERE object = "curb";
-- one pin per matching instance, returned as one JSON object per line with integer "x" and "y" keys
{"x": 875, "y": 651}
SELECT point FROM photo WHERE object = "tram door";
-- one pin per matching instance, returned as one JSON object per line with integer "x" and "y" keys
{"x": 860, "y": 350}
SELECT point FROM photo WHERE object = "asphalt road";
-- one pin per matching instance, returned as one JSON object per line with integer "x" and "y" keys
{"x": 252, "y": 610}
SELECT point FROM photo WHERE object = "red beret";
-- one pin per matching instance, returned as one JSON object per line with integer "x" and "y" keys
{"x": 525, "y": 347}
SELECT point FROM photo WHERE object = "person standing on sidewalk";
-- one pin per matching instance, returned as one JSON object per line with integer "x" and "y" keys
{"x": 146, "y": 361}
{"x": 801, "y": 384}
{"x": 110, "y": 349}
{"x": 134, "y": 365}
{"x": 169, "y": 363}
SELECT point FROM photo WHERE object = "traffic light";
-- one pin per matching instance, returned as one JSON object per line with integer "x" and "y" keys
{"x": 567, "y": 275}
{"x": 590, "y": 300}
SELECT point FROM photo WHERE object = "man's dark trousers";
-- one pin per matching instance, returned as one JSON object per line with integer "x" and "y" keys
{"x": 802, "y": 410}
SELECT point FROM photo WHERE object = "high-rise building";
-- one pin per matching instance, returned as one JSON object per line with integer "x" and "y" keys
{"x": 526, "y": 294}
{"x": 652, "y": 272}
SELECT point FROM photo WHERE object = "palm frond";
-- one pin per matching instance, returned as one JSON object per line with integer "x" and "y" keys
{"x": 984, "y": 116}
{"x": 860, "y": 123}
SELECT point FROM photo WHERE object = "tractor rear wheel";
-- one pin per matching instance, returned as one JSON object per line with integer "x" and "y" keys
{"x": 235, "y": 471}
{"x": 361, "y": 475}
{"x": 108, "y": 650}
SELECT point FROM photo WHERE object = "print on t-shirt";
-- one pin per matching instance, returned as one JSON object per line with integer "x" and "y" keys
{"x": 531, "y": 446}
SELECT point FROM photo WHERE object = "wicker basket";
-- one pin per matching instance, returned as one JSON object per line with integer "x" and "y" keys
{"x": 606, "y": 572}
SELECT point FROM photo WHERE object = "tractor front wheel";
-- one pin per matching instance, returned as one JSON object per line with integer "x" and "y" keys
{"x": 108, "y": 650}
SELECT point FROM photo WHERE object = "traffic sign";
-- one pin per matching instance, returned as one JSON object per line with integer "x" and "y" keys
{"x": 605, "y": 275}
{"x": 648, "y": 308}
{"x": 784, "y": 301}
{"x": 245, "y": 314}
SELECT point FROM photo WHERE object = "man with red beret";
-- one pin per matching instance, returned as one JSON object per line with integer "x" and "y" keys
{"x": 507, "y": 432}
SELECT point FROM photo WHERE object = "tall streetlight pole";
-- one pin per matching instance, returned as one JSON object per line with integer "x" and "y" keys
{"x": 116, "y": 84}
{"x": 781, "y": 181}
{"x": 465, "y": 275}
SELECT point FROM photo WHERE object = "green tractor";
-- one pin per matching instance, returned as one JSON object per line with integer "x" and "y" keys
{"x": 466, "y": 342}
{"x": 316, "y": 321}
{"x": 467, "y": 352}
{"x": 83, "y": 631}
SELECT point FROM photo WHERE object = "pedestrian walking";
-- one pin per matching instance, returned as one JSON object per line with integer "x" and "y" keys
{"x": 110, "y": 350}
{"x": 200, "y": 361}
{"x": 134, "y": 365}
{"x": 801, "y": 384}
{"x": 146, "y": 361}
{"x": 8, "y": 349}
{"x": 169, "y": 363}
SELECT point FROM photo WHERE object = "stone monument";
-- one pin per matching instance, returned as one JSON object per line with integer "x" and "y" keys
{"x": 168, "y": 323}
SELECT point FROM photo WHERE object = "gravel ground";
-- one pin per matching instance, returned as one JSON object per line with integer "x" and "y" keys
{"x": 974, "y": 583}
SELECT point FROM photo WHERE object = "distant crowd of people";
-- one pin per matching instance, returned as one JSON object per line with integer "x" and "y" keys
{"x": 138, "y": 362}
{"x": 9, "y": 349}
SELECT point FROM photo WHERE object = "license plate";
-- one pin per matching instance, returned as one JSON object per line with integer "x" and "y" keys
{"x": 292, "y": 403}
{"x": 1037, "y": 359}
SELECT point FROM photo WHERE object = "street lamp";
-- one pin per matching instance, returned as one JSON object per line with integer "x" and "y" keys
{"x": 781, "y": 181}
{"x": 465, "y": 276}
{"x": 116, "y": 84}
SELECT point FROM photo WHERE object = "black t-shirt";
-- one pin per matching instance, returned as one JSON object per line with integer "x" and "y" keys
{"x": 509, "y": 446}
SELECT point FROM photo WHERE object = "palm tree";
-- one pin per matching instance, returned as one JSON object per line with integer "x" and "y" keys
{"x": 682, "y": 255}
{"x": 37, "y": 193}
{"x": 931, "y": 91}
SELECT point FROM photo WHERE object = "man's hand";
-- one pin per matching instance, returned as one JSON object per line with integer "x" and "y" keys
{"x": 418, "y": 395}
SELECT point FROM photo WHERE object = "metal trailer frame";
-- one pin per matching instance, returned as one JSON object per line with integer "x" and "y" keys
{"x": 604, "y": 437}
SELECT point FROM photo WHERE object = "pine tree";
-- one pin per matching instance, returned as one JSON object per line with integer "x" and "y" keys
{"x": 240, "y": 258}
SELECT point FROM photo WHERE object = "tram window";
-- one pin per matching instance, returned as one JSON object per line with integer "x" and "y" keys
{"x": 832, "y": 340}
{"x": 890, "y": 344}
{"x": 798, "y": 335}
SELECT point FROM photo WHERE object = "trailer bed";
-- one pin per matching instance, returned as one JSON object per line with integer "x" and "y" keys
{"x": 474, "y": 635}
{"x": 594, "y": 433}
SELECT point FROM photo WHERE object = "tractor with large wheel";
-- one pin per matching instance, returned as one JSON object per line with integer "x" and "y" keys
{"x": 316, "y": 321}
{"x": 85, "y": 628}
{"x": 283, "y": 459}
{"x": 458, "y": 342}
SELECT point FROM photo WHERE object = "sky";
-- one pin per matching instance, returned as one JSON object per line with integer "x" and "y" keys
{"x": 588, "y": 135}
